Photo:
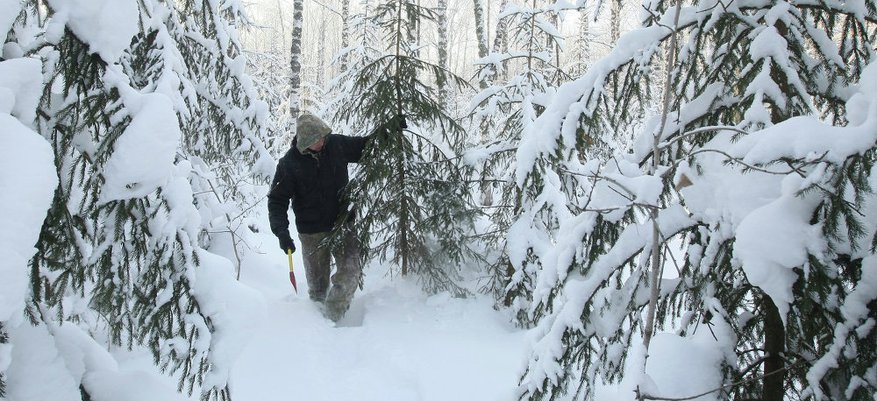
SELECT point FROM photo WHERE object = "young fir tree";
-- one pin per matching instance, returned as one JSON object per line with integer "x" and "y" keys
{"x": 129, "y": 243}
{"x": 583, "y": 42}
{"x": 410, "y": 192}
{"x": 736, "y": 81}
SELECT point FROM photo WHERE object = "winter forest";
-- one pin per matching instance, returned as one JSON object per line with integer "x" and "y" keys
{"x": 562, "y": 199}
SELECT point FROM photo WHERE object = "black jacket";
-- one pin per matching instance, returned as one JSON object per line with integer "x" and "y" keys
{"x": 314, "y": 182}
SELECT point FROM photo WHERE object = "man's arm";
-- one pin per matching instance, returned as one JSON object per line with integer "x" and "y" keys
{"x": 353, "y": 147}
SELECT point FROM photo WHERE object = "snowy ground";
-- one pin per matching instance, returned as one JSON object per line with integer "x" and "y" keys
{"x": 396, "y": 343}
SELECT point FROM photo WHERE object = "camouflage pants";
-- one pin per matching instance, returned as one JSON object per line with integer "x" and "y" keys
{"x": 316, "y": 254}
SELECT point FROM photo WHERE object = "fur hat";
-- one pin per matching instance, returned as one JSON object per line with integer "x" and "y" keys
{"x": 310, "y": 129}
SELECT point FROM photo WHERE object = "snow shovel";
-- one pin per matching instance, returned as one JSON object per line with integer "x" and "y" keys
{"x": 291, "y": 273}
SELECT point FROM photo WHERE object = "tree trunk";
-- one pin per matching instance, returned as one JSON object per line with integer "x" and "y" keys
{"x": 480, "y": 27}
{"x": 615, "y": 21}
{"x": 500, "y": 44}
{"x": 345, "y": 32}
{"x": 444, "y": 92}
{"x": 403, "y": 246}
{"x": 774, "y": 346}
{"x": 774, "y": 331}
{"x": 295, "y": 64}
{"x": 499, "y": 40}
{"x": 481, "y": 35}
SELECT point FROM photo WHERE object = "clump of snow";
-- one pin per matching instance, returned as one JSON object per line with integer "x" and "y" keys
{"x": 80, "y": 352}
{"x": 143, "y": 156}
{"x": 181, "y": 212}
{"x": 769, "y": 43}
{"x": 107, "y": 26}
{"x": 777, "y": 237}
{"x": 21, "y": 82}
{"x": 862, "y": 104}
{"x": 27, "y": 183}
{"x": 700, "y": 366}
{"x": 9, "y": 10}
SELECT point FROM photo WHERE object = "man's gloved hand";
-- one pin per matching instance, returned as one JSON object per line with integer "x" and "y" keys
{"x": 286, "y": 242}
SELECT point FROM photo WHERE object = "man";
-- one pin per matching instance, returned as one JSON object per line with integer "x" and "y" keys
{"x": 313, "y": 174}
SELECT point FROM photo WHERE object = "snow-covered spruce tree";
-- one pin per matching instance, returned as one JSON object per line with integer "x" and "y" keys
{"x": 410, "y": 192}
{"x": 583, "y": 42}
{"x": 775, "y": 294}
{"x": 507, "y": 108}
{"x": 224, "y": 125}
{"x": 147, "y": 105}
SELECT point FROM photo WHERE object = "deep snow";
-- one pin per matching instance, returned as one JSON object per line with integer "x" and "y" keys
{"x": 396, "y": 343}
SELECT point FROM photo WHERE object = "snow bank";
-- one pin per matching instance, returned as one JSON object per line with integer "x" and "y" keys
{"x": 409, "y": 346}
{"x": 50, "y": 363}
{"x": 38, "y": 371}
{"x": 234, "y": 310}
{"x": 128, "y": 386}
{"x": 107, "y": 26}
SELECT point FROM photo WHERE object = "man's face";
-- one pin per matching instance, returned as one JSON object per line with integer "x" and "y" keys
{"x": 318, "y": 146}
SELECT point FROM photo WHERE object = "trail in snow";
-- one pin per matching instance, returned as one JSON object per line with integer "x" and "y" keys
{"x": 409, "y": 346}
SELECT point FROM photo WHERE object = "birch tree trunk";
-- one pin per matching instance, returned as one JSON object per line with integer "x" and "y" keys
{"x": 500, "y": 44}
{"x": 615, "y": 21}
{"x": 481, "y": 35}
{"x": 499, "y": 39}
{"x": 295, "y": 64}
{"x": 444, "y": 92}
{"x": 345, "y": 32}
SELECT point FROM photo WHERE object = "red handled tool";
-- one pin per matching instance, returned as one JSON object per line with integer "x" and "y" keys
{"x": 291, "y": 273}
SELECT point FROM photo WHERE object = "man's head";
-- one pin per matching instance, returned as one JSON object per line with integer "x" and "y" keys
{"x": 311, "y": 133}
